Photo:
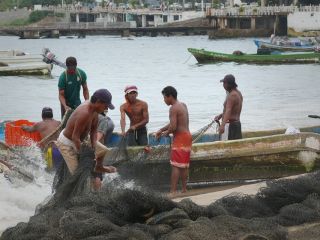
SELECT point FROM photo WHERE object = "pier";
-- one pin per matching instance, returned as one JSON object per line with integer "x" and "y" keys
{"x": 244, "y": 21}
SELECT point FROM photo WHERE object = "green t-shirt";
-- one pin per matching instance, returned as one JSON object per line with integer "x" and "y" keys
{"x": 72, "y": 85}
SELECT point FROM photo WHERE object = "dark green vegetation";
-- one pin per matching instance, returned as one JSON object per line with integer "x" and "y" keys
{"x": 34, "y": 17}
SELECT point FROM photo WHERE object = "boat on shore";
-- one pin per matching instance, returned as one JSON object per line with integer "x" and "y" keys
{"x": 259, "y": 155}
{"x": 284, "y": 48}
{"x": 203, "y": 56}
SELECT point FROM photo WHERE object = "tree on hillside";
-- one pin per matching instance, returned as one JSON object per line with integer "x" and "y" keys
{"x": 309, "y": 2}
{"x": 279, "y": 2}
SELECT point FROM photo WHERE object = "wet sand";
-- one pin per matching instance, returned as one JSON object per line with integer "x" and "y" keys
{"x": 209, "y": 195}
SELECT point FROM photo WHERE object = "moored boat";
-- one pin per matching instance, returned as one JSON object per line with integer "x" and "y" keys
{"x": 204, "y": 56}
{"x": 284, "y": 48}
{"x": 31, "y": 68}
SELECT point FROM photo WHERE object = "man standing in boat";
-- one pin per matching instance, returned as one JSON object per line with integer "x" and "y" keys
{"x": 182, "y": 139}
{"x": 46, "y": 127}
{"x": 70, "y": 83}
{"x": 83, "y": 122}
{"x": 137, "y": 111}
{"x": 230, "y": 127}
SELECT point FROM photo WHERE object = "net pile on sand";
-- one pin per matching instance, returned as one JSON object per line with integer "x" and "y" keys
{"x": 74, "y": 212}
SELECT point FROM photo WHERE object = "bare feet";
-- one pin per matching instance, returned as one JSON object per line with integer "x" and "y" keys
{"x": 147, "y": 149}
{"x": 104, "y": 169}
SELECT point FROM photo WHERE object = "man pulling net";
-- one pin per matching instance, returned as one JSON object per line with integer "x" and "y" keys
{"x": 84, "y": 122}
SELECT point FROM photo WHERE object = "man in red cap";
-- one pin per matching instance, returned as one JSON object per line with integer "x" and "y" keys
{"x": 84, "y": 121}
{"x": 230, "y": 127}
{"x": 137, "y": 111}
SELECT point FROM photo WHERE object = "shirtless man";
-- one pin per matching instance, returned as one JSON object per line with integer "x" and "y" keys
{"x": 182, "y": 139}
{"x": 45, "y": 127}
{"x": 84, "y": 121}
{"x": 137, "y": 111}
{"x": 230, "y": 127}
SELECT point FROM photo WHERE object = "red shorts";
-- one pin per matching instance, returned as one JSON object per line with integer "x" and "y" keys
{"x": 181, "y": 150}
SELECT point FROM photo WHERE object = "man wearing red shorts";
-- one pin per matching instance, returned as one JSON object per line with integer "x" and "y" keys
{"x": 182, "y": 139}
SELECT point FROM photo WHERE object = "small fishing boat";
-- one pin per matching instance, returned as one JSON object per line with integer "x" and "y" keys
{"x": 284, "y": 48}
{"x": 259, "y": 155}
{"x": 204, "y": 56}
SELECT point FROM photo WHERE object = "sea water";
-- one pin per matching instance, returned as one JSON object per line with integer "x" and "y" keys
{"x": 19, "y": 196}
{"x": 275, "y": 96}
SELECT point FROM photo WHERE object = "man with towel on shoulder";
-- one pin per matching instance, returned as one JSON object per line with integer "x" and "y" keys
{"x": 182, "y": 139}
{"x": 84, "y": 121}
{"x": 230, "y": 127}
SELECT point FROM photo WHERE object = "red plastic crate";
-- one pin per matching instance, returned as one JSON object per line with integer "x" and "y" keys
{"x": 15, "y": 136}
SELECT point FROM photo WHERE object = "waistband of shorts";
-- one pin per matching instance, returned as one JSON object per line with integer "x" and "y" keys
{"x": 65, "y": 141}
{"x": 232, "y": 121}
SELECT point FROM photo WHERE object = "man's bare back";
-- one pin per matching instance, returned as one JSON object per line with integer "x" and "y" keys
{"x": 179, "y": 117}
{"x": 82, "y": 121}
{"x": 46, "y": 127}
{"x": 234, "y": 105}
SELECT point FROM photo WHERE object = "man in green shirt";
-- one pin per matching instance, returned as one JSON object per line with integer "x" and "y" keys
{"x": 70, "y": 83}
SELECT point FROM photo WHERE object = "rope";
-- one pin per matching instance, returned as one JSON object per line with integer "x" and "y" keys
{"x": 188, "y": 58}
{"x": 204, "y": 129}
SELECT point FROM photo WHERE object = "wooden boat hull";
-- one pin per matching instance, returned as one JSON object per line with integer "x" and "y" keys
{"x": 267, "y": 45}
{"x": 32, "y": 68}
{"x": 246, "y": 159}
{"x": 260, "y": 155}
{"x": 204, "y": 56}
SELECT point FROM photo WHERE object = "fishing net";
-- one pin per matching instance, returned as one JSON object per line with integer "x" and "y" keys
{"x": 116, "y": 212}
{"x": 149, "y": 166}
{"x": 139, "y": 212}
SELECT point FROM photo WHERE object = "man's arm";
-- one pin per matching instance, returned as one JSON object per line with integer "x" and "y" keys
{"x": 33, "y": 128}
{"x": 85, "y": 91}
{"x": 173, "y": 116}
{"x": 62, "y": 99}
{"x": 170, "y": 127}
{"x": 122, "y": 119}
{"x": 93, "y": 132}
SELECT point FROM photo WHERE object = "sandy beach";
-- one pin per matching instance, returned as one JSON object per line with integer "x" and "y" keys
{"x": 218, "y": 192}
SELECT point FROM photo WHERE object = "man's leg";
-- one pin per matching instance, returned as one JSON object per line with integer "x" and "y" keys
{"x": 142, "y": 136}
{"x": 184, "y": 177}
{"x": 101, "y": 152}
{"x": 131, "y": 140}
{"x": 174, "y": 179}
{"x": 63, "y": 111}
{"x": 235, "y": 131}
{"x": 70, "y": 156}
{"x": 109, "y": 131}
